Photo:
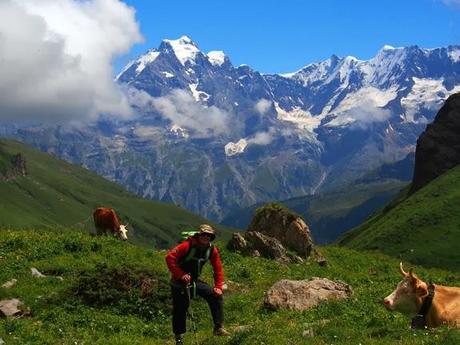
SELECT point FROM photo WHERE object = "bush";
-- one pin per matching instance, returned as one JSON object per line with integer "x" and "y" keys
{"x": 125, "y": 290}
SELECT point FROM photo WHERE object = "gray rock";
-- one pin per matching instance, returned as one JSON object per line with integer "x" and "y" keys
{"x": 280, "y": 223}
{"x": 308, "y": 333}
{"x": 268, "y": 247}
{"x": 238, "y": 242}
{"x": 36, "y": 273}
{"x": 305, "y": 294}
{"x": 10, "y": 283}
{"x": 10, "y": 307}
{"x": 275, "y": 233}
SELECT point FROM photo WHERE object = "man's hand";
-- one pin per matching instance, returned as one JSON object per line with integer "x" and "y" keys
{"x": 217, "y": 292}
{"x": 186, "y": 278}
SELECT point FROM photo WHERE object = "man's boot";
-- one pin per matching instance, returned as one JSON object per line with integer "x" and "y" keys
{"x": 221, "y": 332}
{"x": 179, "y": 339}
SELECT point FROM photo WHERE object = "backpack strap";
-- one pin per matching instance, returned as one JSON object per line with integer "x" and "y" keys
{"x": 198, "y": 262}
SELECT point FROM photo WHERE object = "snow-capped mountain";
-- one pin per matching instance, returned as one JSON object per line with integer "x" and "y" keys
{"x": 212, "y": 136}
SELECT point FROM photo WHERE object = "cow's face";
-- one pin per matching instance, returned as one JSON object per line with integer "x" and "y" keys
{"x": 407, "y": 295}
{"x": 123, "y": 232}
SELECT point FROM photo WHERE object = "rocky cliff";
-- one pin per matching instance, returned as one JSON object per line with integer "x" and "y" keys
{"x": 13, "y": 167}
{"x": 438, "y": 148}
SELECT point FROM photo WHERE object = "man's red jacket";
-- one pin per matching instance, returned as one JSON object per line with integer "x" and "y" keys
{"x": 177, "y": 253}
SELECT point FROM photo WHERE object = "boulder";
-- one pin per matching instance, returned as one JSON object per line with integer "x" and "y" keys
{"x": 238, "y": 242}
{"x": 275, "y": 233}
{"x": 36, "y": 273}
{"x": 300, "y": 295}
{"x": 10, "y": 307}
{"x": 268, "y": 247}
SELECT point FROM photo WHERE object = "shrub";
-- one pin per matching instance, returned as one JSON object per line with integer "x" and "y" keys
{"x": 126, "y": 290}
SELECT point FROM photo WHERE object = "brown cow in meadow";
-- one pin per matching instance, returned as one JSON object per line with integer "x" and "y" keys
{"x": 430, "y": 305}
{"x": 105, "y": 219}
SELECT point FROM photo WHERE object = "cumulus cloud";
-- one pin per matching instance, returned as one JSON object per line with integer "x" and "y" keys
{"x": 181, "y": 109}
{"x": 262, "y": 106}
{"x": 262, "y": 138}
{"x": 366, "y": 114}
{"x": 56, "y": 58}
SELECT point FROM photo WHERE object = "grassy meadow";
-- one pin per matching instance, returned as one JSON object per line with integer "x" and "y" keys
{"x": 99, "y": 290}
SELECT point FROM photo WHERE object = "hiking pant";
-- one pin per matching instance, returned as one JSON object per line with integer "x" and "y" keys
{"x": 181, "y": 303}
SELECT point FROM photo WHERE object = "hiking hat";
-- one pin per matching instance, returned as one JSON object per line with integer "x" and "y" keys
{"x": 208, "y": 230}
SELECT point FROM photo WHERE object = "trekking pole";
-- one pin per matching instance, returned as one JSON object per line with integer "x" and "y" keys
{"x": 190, "y": 312}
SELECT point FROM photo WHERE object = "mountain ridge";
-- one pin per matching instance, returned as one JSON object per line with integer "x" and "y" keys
{"x": 214, "y": 137}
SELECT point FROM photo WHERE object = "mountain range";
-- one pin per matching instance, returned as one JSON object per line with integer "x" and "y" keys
{"x": 213, "y": 137}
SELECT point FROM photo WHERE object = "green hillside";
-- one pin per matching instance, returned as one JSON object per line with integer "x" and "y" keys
{"x": 423, "y": 228}
{"x": 103, "y": 291}
{"x": 57, "y": 194}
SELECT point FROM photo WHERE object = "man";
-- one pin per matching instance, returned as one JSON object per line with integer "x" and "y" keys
{"x": 185, "y": 263}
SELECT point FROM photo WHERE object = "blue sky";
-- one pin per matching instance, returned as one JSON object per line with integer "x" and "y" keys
{"x": 282, "y": 36}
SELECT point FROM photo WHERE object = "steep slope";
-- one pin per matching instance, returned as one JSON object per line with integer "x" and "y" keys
{"x": 423, "y": 228}
{"x": 56, "y": 194}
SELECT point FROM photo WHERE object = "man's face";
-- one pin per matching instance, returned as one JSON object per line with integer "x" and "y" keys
{"x": 204, "y": 240}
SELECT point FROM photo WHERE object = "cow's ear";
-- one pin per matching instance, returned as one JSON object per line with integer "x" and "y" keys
{"x": 421, "y": 290}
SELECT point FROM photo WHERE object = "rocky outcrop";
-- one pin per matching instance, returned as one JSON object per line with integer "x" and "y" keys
{"x": 275, "y": 233}
{"x": 438, "y": 148}
{"x": 18, "y": 168}
{"x": 300, "y": 295}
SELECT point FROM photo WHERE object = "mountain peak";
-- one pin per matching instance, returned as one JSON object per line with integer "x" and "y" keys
{"x": 217, "y": 58}
{"x": 184, "y": 49}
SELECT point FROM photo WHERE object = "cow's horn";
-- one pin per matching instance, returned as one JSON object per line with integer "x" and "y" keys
{"x": 401, "y": 269}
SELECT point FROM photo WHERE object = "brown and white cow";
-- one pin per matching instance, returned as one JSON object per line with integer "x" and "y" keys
{"x": 412, "y": 293}
{"x": 105, "y": 219}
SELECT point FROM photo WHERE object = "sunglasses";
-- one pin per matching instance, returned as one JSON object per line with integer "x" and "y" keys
{"x": 207, "y": 235}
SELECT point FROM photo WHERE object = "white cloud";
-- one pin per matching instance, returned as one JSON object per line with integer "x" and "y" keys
{"x": 147, "y": 132}
{"x": 262, "y": 106}
{"x": 261, "y": 138}
{"x": 181, "y": 108}
{"x": 365, "y": 115}
{"x": 56, "y": 58}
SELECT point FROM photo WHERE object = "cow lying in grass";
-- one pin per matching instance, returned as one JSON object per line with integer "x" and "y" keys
{"x": 105, "y": 219}
{"x": 430, "y": 305}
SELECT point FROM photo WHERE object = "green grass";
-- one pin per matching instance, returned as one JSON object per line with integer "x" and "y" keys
{"x": 58, "y": 194}
{"x": 6, "y": 162}
{"x": 62, "y": 312}
{"x": 423, "y": 228}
